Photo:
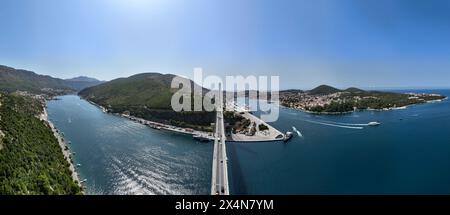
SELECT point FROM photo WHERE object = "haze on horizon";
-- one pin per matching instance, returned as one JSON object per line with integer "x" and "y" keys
{"x": 367, "y": 44}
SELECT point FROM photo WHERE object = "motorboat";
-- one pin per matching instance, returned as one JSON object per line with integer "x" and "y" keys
{"x": 374, "y": 124}
{"x": 287, "y": 136}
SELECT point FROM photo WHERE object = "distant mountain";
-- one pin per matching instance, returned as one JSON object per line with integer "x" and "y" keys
{"x": 16, "y": 79}
{"x": 292, "y": 91}
{"x": 354, "y": 90}
{"x": 82, "y": 82}
{"x": 82, "y": 79}
{"x": 146, "y": 96}
{"x": 323, "y": 90}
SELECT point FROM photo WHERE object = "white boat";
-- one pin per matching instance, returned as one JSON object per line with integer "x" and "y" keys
{"x": 287, "y": 136}
{"x": 78, "y": 165}
{"x": 374, "y": 124}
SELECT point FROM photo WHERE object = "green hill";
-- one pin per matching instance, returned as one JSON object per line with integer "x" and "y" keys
{"x": 16, "y": 79}
{"x": 149, "y": 89}
{"x": 146, "y": 96}
{"x": 323, "y": 90}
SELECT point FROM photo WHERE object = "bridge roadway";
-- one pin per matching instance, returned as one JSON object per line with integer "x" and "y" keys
{"x": 219, "y": 180}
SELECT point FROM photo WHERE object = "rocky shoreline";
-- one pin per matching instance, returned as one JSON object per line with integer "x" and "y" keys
{"x": 64, "y": 148}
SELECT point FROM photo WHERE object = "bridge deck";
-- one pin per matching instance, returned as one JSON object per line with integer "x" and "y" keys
{"x": 219, "y": 180}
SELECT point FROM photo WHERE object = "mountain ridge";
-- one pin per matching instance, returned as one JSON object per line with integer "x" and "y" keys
{"x": 12, "y": 80}
{"x": 82, "y": 82}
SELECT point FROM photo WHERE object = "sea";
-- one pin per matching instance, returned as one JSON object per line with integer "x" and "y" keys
{"x": 408, "y": 153}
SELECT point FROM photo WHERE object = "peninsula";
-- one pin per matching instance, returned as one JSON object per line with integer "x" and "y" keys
{"x": 329, "y": 100}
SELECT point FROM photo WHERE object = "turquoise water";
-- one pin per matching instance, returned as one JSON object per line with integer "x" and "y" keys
{"x": 408, "y": 154}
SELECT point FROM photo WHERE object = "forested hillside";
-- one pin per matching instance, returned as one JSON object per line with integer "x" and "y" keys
{"x": 31, "y": 161}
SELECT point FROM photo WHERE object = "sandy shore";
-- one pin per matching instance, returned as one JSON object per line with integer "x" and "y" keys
{"x": 63, "y": 145}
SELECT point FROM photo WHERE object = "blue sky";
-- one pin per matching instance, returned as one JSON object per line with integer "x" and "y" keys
{"x": 369, "y": 43}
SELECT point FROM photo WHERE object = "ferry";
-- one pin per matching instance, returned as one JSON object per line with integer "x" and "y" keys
{"x": 374, "y": 124}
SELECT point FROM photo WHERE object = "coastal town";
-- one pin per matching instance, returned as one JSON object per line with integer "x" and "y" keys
{"x": 333, "y": 101}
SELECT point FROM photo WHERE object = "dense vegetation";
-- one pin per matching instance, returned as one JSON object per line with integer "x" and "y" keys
{"x": 146, "y": 96}
{"x": 12, "y": 80}
{"x": 31, "y": 161}
{"x": 195, "y": 120}
{"x": 334, "y": 107}
{"x": 151, "y": 90}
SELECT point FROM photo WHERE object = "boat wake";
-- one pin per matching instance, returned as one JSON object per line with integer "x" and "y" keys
{"x": 297, "y": 131}
{"x": 347, "y": 124}
{"x": 339, "y": 125}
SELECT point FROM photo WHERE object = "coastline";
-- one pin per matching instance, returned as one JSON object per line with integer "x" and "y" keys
{"x": 63, "y": 145}
{"x": 156, "y": 125}
{"x": 186, "y": 131}
{"x": 368, "y": 109}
